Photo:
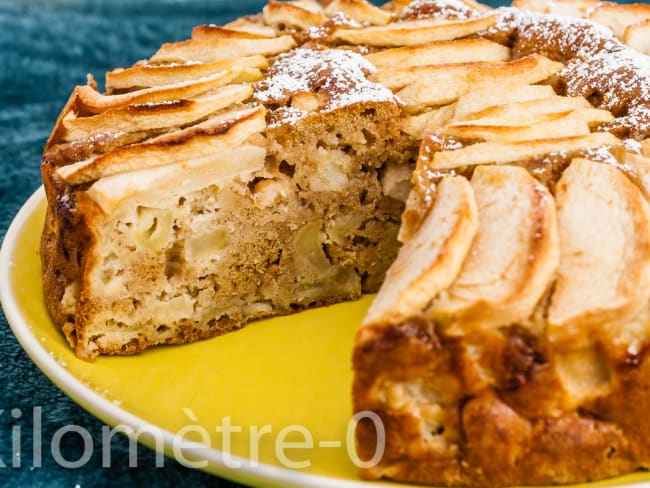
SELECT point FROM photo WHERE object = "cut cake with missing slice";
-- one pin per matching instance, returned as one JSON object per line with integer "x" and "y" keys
{"x": 280, "y": 161}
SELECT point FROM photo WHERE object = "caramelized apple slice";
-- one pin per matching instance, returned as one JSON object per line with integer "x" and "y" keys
{"x": 300, "y": 13}
{"x": 218, "y": 133}
{"x": 560, "y": 127}
{"x": 604, "y": 273}
{"x": 420, "y": 125}
{"x": 209, "y": 50}
{"x": 146, "y": 76}
{"x": 500, "y": 153}
{"x": 483, "y": 97}
{"x": 443, "y": 52}
{"x": 637, "y": 36}
{"x": 144, "y": 117}
{"x": 529, "y": 111}
{"x": 618, "y": 16}
{"x": 514, "y": 256}
{"x": 414, "y": 32}
{"x": 448, "y": 82}
{"x": 570, "y": 8}
{"x": 254, "y": 31}
{"x": 89, "y": 100}
{"x": 248, "y": 24}
{"x": 150, "y": 185}
{"x": 430, "y": 261}
{"x": 645, "y": 148}
{"x": 359, "y": 10}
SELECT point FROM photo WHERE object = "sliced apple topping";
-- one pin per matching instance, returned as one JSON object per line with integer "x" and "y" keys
{"x": 499, "y": 133}
{"x": 411, "y": 33}
{"x": 442, "y": 84}
{"x": 91, "y": 101}
{"x": 430, "y": 261}
{"x": 571, "y": 8}
{"x": 359, "y": 10}
{"x": 146, "y": 76}
{"x": 225, "y": 131}
{"x": 150, "y": 185}
{"x": 571, "y": 124}
{"x": 443, "y": 52}
{"x": 252, "y": 25}
{"x": 210, "y": 50}
{"x": 530, "y": 111}
{"x": 619, "y": 16}
{"x": 483, "y": 97}
{"x": 604, "y": 273}
{"x": 637, "y": 36}
{"x": 501, "y": 153}
{"x": 254, "y": 31}
{"x": 645, "y": 148}
{"x": 513, "y": 259}
{"x": 302, "y": 14}
{"x": 144, "y": 117}
{"x": 420, "y": 125}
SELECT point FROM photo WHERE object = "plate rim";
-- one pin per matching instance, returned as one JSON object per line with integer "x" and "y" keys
{"x": 260, "y": 474}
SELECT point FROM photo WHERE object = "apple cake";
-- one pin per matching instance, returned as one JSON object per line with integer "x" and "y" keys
{"x": 486, "y": 171}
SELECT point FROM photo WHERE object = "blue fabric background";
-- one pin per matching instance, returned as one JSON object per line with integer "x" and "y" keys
{"x": 46, "y": 48}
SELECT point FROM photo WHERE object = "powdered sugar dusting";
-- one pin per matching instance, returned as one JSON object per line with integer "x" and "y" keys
{"x": 447, "y": 9}
{"x": 561, "y": 35}
{"x": 619, "y": 82}
{"x": 338, "y": 20}
{"x": 600, "y": 68}
{"x": 337, "y": 77}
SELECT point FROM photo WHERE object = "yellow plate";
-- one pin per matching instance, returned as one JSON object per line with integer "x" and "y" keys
{"x": 246, "y": 406}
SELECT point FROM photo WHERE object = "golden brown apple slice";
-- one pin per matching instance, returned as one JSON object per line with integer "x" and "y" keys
{"x": 483, "y": 97}
{"x": 146, "y": 76}
{"x": 529, "y": 69}
{"x": 442, "y": 52}
{"x": 90, "y": 100}
{"x": 637, "y": 36}
{"x": 515, "y": 126}
{"x": 604, "y": 273}
{"x": 302, "y": 13}
{"x": 150, "y": 185}
{"x": 570, "y": 8}
{"x": 144, "y": 117}
{"x": 210, "y": 50}
{"x": 530, "y": 111}
{"x": 500, "y": 153}
{"x": 445, "y": 84}
{"x": 212, "y": 31}
{"x": 513, "y": 259}
{"x": 218, "y": 133}
{"x": 554, "y": 129}
{"x": 430, "y": 261}
{"x": 420, "y": 125}
{"x": 359, "y": 10}
{"x": 245, "y": 24}
{"x": 645, "y": 148}
{"x": 411, "y": 33}
{"x": 617, "y": 16}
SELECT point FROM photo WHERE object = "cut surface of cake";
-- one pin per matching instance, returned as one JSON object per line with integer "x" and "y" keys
{"x": 486, "y": 171}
